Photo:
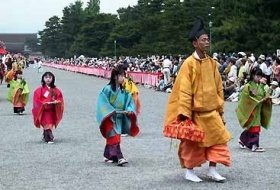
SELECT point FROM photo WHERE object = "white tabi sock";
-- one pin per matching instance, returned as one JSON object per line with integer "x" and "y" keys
{"x": 213, "y": 174}
{"x": 190, "y": 175}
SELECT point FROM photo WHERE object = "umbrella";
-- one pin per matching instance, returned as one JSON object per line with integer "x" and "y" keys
{"x": 2, "y": 51}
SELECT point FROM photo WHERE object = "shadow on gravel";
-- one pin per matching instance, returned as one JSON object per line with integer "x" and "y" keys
{"x": 56, "y": 142}
{"x": 15, "y": 115}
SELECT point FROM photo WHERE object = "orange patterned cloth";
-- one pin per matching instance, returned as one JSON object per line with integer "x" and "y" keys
{"x": 184, "y": 130}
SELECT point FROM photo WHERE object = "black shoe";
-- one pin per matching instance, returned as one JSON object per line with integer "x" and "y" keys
{"x": 46, "y": 136}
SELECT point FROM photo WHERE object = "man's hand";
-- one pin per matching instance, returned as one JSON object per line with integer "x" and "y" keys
{"x": 182, "y": 117}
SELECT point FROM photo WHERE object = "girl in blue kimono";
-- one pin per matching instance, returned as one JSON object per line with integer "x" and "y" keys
{"x": 116, "y": 115}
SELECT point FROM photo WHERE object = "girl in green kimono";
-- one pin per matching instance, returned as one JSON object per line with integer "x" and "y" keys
{"x": 116, "y": 115}
{"x": 18, "y": 93}
{"x": 253, "y": 111}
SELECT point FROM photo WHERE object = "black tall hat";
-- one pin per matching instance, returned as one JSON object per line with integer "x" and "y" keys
{"x": 197, "y": 30}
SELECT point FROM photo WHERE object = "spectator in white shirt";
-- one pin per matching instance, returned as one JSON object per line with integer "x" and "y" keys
{"x": 233, "y": 70}
{"x": 249, "y": 65}
{"x": 260, "y": 60}
{"x": 166, "y": 69}
{"x": 266, "y": 69}
{"x": 275, "y": 94}
{"x": 241, "y": 55}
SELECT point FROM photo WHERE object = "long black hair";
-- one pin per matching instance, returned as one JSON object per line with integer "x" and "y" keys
{"x": 53, "y": 79}
{"x": 255, "y": 71}
{"x": 119, "y": 70}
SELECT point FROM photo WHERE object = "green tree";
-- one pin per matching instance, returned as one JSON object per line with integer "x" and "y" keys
{"x": 50, "y": 37}
{"x": 249, "y": 26}
{"x": 126, "y": 33}
{"x": 162, "y": 27}
{"x": 93, "y": 7}
{"x": 93, "y": 35}
{"x": 72, "y": 22}
{"x": 33, "y": 44}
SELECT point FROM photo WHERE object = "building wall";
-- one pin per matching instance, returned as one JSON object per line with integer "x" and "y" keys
{"x": 16, "y": 42}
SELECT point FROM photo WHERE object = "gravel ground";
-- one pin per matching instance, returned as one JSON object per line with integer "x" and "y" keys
{"x": 75, "y": 160}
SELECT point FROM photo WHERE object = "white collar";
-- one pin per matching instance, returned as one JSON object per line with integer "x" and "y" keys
{"x": 195, "y": 54}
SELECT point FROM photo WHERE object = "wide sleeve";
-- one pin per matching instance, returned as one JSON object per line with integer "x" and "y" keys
{"x": 131, "y": 119}
{"x": 11, "y": 91}
{"x": 246, "y": 106}
{"x": 106, "y": 92}
{"x": 130, "y": 105}
{"x": 104, "y": 109}
{"x": 59, "y": 96}
{"x": 25, "y": 89}
{"x": 59, "y": 107}
{"x": 220, "y": 91}
{"x": 185, "y": 80}
{"x": 25, "y": 92}
{"x": 37, "y": 107}
{"x": 180, "y": 99}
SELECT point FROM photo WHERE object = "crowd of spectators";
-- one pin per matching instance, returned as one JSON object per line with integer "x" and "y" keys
{"x": 234, "y": 68}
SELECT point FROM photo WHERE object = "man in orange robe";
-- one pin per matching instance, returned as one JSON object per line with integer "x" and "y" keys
{"x": 197, "y": 95}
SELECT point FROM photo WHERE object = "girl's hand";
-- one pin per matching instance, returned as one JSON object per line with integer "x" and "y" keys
{"x": 254, "y": 92}
{"x": 56, "y": 102}
{"x": 265, "y": 99}
{"x": 53, "y": 102}
{"x": 129, "y": 113}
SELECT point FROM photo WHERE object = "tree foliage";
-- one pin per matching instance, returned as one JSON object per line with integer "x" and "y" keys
{"x": 162, "y": 27}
